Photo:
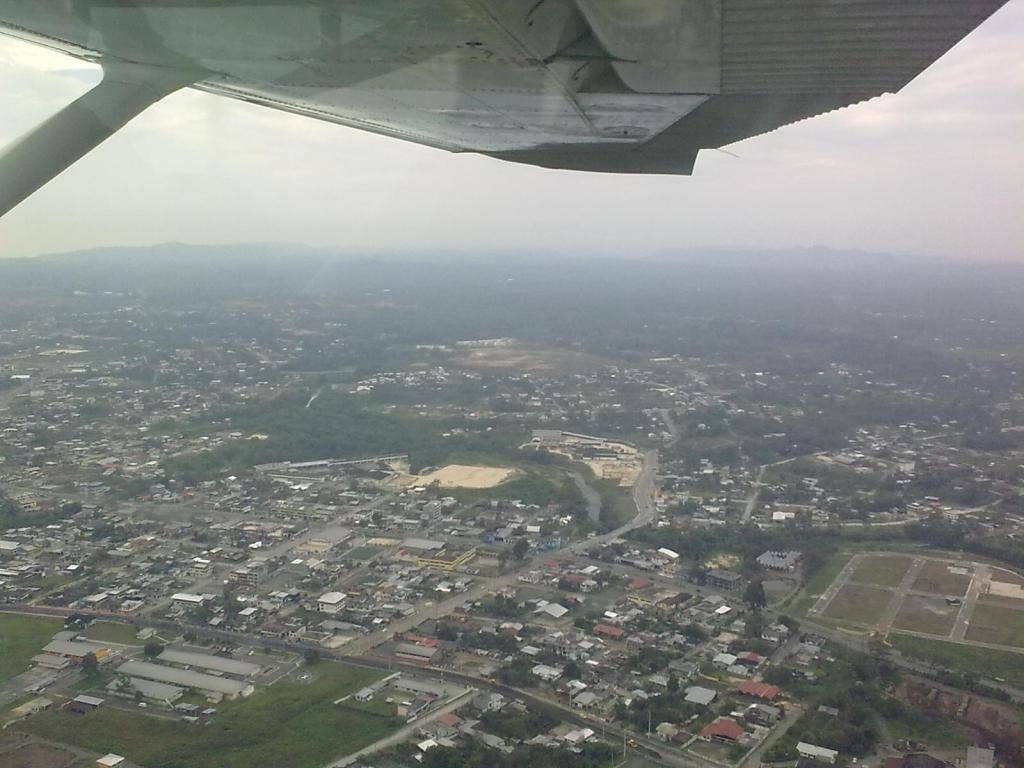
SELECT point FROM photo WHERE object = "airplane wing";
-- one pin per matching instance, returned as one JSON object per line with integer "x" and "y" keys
{"x": 627, "y": 86}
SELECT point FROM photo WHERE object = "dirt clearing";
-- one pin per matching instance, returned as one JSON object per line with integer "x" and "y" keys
{"x": 466, "y": 476}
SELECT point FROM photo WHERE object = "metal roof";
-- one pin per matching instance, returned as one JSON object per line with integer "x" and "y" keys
{"x": 183, "y": 677}
{"x": 207, "y": 661}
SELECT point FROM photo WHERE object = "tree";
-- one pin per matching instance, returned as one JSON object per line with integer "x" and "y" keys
{"x": 520, "y": 548}
{"x": 153, "y": 649}
{"x": 673, "y": 683}
{"x": 572, "y": 671}
{"x": 755, "y": 625}
{"x": 697, "y": 573}
{"x": 695, "y": 632}
{"x": 230, "y": 602}
{"x": 90, "y": 664}
{"x": 311, "y": 657}
{"x": 446, "y": 631}
{"x": 754, "y": 595}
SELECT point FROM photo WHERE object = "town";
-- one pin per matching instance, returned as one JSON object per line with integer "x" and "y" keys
{"x": 347, "y": 533}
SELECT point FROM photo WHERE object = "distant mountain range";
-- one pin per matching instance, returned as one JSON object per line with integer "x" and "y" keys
{"x": 283, "y": 269}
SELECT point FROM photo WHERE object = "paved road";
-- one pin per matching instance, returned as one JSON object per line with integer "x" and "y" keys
{"x": 755, "y": 494}
{"x": 969, "y": 643}
{"x": 215, "y": 582}
{"x": 859, "y": 642}
{"x": 670, "y": 425}
{"x": 793, "y": 714}
{"x": 642, "y": 497}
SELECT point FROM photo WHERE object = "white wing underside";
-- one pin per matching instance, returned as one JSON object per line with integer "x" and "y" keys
{"x": 635, "y": 86}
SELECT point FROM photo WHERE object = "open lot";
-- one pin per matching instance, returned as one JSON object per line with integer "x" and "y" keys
{"x": 937, "y": 579}
{"x": 997, "y": 624}
{"x": 19, "y": 752}
{"x": 21, "y": 638}
{"x": 1007, "y": 577}
{"x": 926, "y": 614}
{"x": 466, "y": 476}
{"x": 361, "y": 553}
{"x": 112, "y": 632}
{"x": 821, "y": 581}
{"x": 881, "y": 570}
{"x": 291, "y": 723}
{"x": 859, "y": 604}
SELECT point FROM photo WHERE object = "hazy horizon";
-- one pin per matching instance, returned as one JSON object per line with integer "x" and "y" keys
{"x": 932, "y": 172}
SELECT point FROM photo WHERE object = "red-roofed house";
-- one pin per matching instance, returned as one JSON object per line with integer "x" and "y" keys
{"x": 607, "y": 630}
{"x": 639, "y": 583}
{"x": 426, "y": 642}
{"x": 723, "y": 729}
{"x": 449, "y": 720}
{"x": 759, "y": 690}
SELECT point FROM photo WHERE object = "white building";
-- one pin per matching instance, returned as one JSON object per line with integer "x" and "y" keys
{"x": 814, "y": 752}
{"x": 330, "y": 602}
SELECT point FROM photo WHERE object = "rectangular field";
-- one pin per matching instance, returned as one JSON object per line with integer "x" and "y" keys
{"x": 926, "y": 614}
{"x": 113, "y": 632}
{"x": 21, "y": 638}
{"x": 859, "y": 604}
{"x": 466, "y": 476}
{"x": 1007, "y": 577}
{"x": 881, "y": 570}
{"x": 292, "y": 724}
{"x": 997, "y": 624}
{"x": 937, "y": 579}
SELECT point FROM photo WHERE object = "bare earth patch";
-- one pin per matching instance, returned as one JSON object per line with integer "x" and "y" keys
{"x": 926, "y": 614}
{"x": 941, "y": 578}
{"x": 859, "y": 604}
{"x": 465, "y": 476}
{"x": 881, "y": 570}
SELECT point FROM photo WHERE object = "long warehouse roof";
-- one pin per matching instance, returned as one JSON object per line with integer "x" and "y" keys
{"x": 187, "y": 678}
{"x": 208, "y": 661}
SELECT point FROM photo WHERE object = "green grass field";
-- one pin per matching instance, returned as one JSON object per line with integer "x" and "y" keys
{"x": 859, "y": 604}
{"x": 936, "y": 578}
{"x": 997, "y": 624}
{"x": 361, "y": 553}
{"x": 963, "y": 658}
{"x": 820, "y": 581}
{"x": 881, "y": 570}
{"x": 926, "y": 614}
{"x": 21, "y": 638}
{"x": 112, "y": 632}
{"x": 934, "y": 731}
{"x": 289, "y": 724}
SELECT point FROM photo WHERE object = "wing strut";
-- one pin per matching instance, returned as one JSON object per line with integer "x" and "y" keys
{"x": 42, "y": 153}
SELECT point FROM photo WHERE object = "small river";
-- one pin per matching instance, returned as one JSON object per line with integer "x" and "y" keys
{"x": 592, "y": 497}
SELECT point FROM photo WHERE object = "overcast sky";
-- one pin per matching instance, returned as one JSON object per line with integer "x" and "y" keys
{"x": 937, "y": 170}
